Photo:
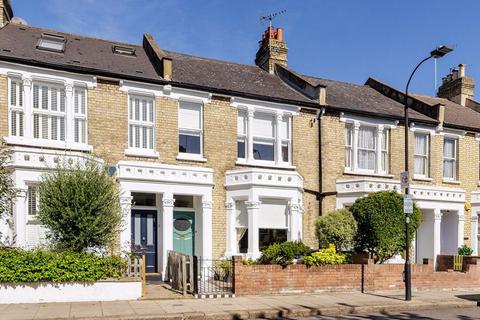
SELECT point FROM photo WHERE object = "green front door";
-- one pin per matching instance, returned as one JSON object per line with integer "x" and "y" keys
{"x": 184, "y": 232}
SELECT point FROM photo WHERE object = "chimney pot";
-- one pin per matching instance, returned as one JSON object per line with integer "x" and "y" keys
{"x": 279, "y": 34}
{"x": 461, "y": 70}
{"x": 272, "y": 50}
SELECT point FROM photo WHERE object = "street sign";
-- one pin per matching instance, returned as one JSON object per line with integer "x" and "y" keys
{"x": 407, "y": 203}
{"x": 404, "y": 179}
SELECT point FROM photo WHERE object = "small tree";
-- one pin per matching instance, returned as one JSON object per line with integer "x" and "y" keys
{"x": 79, "y": 204}
{"x": 338, "y": 228}
{"x": 381, "y": 224}
{"x": 7, "y": 192}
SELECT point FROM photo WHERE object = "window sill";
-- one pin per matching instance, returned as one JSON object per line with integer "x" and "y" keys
{"x": 48, "y": 144}
{"x": 264, "y": 164}
{"x": 141, "y": 153}
{"x": 368, "y": 174}
{"x": 191, "y": 157}
{"x": 420, "y": 178}
{"x": 451, "y": 181}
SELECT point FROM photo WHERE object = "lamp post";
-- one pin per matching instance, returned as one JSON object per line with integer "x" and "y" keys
{"x": 437, "y": 53}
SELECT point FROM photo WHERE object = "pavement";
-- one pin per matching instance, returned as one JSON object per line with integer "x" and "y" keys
{"x": 247, "y": 307}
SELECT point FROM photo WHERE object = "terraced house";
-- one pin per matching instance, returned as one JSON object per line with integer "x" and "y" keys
{"x": 216, "y": 158}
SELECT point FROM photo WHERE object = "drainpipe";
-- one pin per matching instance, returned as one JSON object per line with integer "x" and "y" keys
{"x": 320, "y": 195}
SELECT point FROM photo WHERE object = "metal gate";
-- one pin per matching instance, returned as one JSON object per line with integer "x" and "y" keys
{"x": 214, "y": 277}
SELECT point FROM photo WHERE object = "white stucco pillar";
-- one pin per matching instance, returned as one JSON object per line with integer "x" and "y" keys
{"x": 278, "y": 138}
{"x": 253, "y": 209}
{"x": 167, "y": 231}
{"x": 20, "y": 218}
{"x": 474, "y": 233}
{"x": 461, "y": 228}
{"x": 126, "y": 233}
{"x": 69, "y": 134}
{"x": 207, "y": 206}
{"x": 250, "y": 115}
{"x": 294, "y": 230}
{"x": 437, "y": 229}
{"x": 27, "y": 105}
{"x": 231, "y": 230}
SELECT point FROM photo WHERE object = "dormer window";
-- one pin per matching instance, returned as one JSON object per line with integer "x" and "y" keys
{"x": 51, "y": 42}
{"x": 124, "y": 51}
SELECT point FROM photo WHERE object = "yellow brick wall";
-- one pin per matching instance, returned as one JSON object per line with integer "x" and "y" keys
{"x": 333, "y": 157}
{"x": 3, "y": 106}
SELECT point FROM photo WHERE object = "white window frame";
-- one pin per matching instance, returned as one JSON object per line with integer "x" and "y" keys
{"x": 32, "y": 188}
{"x": 16, "y": 110}
{"x": 46, "y": 112}
{"x": 354, "y": 123}
{"x": 80, "y": 116}
{"x": 349, "y": 146}
{"x": 191, "y": 132}
{"x": 277, "y": 141}
{"x": 29, "y": 80}
{"x": 422, "y": 157}
{"x": 132, "y": 150}
{"x": 454, "y": 159}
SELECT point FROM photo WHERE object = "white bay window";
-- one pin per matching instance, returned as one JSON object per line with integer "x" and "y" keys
{"x": 367, "y": 148}
{"x": 264, "y": 137}
{"x": 51, "y": 114}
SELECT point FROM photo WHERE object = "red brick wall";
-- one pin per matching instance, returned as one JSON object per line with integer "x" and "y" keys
{"x": 274, "y": 279}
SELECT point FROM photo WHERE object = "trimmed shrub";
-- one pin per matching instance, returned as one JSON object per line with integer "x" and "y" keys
{"x": 465, "y": 250}
{"x": 80, "y": 206}
{"x": 325, "y": 256}
{"x": 284, "y": 253}
{"x": 17, "y": 265}
{"x": 338, "y": 228}
{"x": 381, "y": 224}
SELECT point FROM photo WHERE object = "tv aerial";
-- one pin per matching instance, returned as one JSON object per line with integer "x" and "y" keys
{"x": 272, "y": 16}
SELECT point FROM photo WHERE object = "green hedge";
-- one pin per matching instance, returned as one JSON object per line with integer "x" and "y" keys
{"x": 49, "y": 266}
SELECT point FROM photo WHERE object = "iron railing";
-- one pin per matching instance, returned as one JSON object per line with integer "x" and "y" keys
{"x": 213, "y": 276}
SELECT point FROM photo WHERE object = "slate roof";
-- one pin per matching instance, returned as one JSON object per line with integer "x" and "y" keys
{"x": 456, "y": 115}
{"x": 363, "y": 99}
{"x": 95, "y": 56}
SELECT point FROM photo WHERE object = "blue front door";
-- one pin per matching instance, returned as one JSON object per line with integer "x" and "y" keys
{"x": 144, "y": 236}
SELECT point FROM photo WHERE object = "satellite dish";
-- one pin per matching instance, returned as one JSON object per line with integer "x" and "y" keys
{"x": 19, "y": 21}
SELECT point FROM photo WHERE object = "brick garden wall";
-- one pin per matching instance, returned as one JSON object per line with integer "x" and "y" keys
{"x": 275, "y": 279}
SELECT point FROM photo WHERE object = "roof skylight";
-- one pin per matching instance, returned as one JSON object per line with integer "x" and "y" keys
{"x": 51, "y": 42}
{"x": 123, "y": 50}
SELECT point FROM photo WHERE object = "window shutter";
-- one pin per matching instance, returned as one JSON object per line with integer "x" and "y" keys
{"x": 36, "y": 96}
{"x": 44, "y": 97}
{"x": 13, "y": 93}
{"x": 189, "y": 115}
{"x": 13, "y": 123}
{"x": 62, "y": 100}
{"x": 32, "y": 200}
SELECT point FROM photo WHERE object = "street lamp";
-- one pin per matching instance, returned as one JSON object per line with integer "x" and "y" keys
{"x": 437, "y": 53}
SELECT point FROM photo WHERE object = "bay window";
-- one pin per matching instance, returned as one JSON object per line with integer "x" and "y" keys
{"x": 264, "y": 137}
{"x": 48, "y": 114}
{"x": 367, "y": 148}
{"x": 450, "y": 147}
{"x": 141, "y": 123}
{"x": 190, "y": 129}
{"x": 421, "y": 154}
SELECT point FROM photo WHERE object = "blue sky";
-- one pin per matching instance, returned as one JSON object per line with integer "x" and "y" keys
{"x": 347, "y": 40}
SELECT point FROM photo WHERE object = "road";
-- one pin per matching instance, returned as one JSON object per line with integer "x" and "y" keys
{"x": 438, "y": 314}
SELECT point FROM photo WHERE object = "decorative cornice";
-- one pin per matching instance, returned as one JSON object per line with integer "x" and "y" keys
{"x": 168, "y": 202}
{"x": 252, "y": 204}
{"x": 461, "y": 217}
{"x": 229, "y": 205}
{"x": 21, "y": 193}
{"x": 207, "y": 204}
{"x": 438, "y": 215}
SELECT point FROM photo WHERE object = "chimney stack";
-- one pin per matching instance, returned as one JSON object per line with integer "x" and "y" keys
{"x": 6, "y": 12}
{"x": 272, "y": 50}
{"x": 457, "y": 86}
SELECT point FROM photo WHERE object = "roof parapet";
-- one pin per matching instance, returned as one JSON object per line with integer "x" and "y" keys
{"x": 436, "y": 111}
{"x": 318, "y": 92}
{"x": 162, "y": 63}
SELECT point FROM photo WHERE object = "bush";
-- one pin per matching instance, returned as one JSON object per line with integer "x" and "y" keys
{"x": 79, "y": 205}
{"x": 325, "y": 256}
{"x": 7, "y": 193}
{"x": 284, "y": 253}
{"x": 337, "y": 227}
{"x": 17, "y": 265}
{"x": 381, "y": 224}
{"x": 249, "y": 262}
{"x": 465, "y": 250}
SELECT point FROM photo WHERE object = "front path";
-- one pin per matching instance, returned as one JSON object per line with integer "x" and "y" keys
{"x": 243, "y": 307}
